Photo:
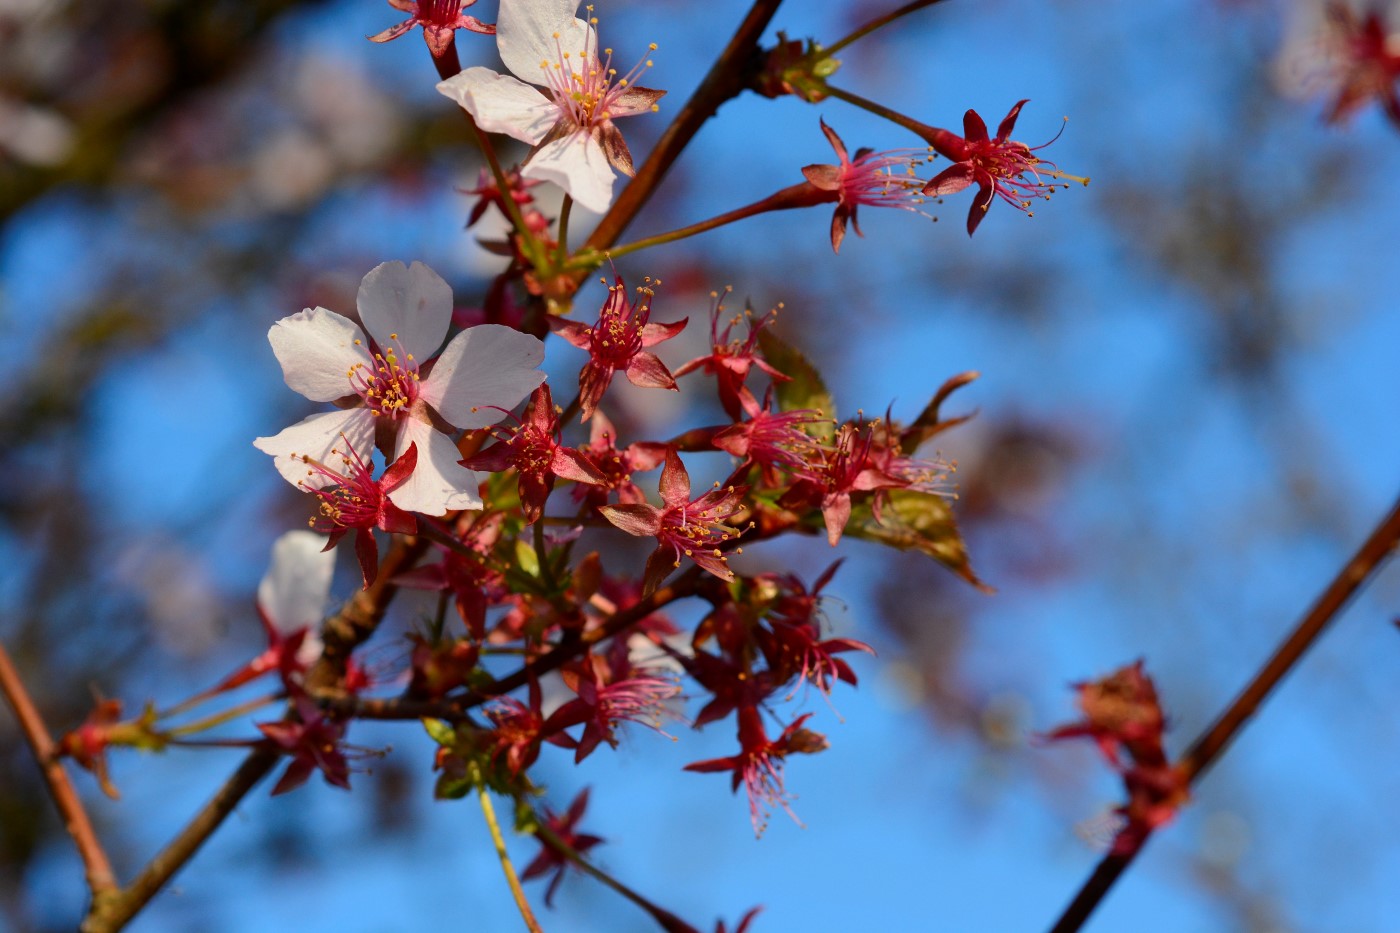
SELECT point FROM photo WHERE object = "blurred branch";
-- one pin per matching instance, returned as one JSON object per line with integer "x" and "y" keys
{"x": 1217, "y": 738}
{"x": 115, "y": 912}
{"x": 101, "y": 881}
{"x": 199, "y": 44}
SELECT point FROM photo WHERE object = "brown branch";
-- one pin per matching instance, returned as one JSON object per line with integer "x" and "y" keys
{"x": 1213, "y": 742}
{"x": 115, "y": 912}
{"x": 455, "y": 710}
{"x": 726, "y": 79}
{"x": 341, "y": 635}
{"x": 96, "y": 866}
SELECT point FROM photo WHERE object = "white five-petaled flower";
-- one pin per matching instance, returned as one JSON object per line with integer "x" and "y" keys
{"x": 568, "y": 116}
{"x": 482, "y": 373}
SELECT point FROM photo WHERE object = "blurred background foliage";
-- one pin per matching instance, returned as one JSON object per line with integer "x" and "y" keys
{"x": 1186, "y": 419}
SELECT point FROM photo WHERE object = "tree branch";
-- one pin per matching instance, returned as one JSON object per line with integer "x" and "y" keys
{"x": 96, "y": 866}
{"x": 1213, "y": 742}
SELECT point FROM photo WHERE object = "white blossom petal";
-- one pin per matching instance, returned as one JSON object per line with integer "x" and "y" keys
{"x": 501, "y": 104}
{"x": 314, "y": 437}
{"x": 577, "y": 164}
{"x": 412, "y": 302}
{"x": 526, "y": 35}
{"x": 317, "y": 348}
{"x": 293, "y": 593}
{"x": 486, "y": 365}
{"x": 438, "y": 482}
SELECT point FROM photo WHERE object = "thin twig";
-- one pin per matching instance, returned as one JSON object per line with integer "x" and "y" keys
{"x": 1212, "y": 743}
{"x": 115, "y": 912}
{"x": 487, "y": 810}
{"x": 877, "y": 23}
{"x": 96, "y": 865}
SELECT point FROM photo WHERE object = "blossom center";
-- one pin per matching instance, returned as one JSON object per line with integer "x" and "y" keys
{"x": 585, "y": 87}
{"x": 390, "y": 384}
{"x": 351, "y": 498}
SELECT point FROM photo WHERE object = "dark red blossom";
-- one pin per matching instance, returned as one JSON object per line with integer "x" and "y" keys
{"x": 831, "y": 473}
{"x": 471, "y": 579}
{"x": 877, "y": 179}
{"x": 313, "y": 740}
{"x": 683, "y": 527}
{"x": 519, "y": 730}
{"x": 351, "y": 499}
{"x": 440, "y": 19}
{"x": 604, "y": 699}
{"x": 773, "y": 441}
{"x": 616, "y": 465}
{"x": 730, "y": 359}
{"x": 792, "y": 643}
{"x": 1363, "y": 62}
{"x": 533, "y": 449}
{"x": 759, "y": 763}
{"x": 1123, "y": 717}
{"x": 999, "y": 166}
{"x": 618, "y": 342}
{"x": 551, "y": 859}
{"x": 488, "y": 192}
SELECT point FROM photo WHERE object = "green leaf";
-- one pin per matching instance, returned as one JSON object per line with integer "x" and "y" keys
{"x": 526, "y": 558}
{"x": 452, "y": 787}
{"x": 916, "y": 521}
{"x": 804, "y": 387}
{"x": 441, "y": 732}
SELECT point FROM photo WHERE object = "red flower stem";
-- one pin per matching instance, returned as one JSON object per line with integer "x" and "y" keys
{"x": 512, "y": 879}
{"x": 113, "y": 913}
{"x": 667, "y": 920}
{"x": 787, "y": 199}
{"x": 1213, "y": 742}
{"x": 877, "y": 22}
{"x": 726, "y": 79}
{"x": 880, "y": 110}
{"x": 447, "y": 65}
{"x": 100, "y": 878}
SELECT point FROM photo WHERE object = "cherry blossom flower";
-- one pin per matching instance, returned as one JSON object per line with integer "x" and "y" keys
{"x": 604, "y": 699}
{"x": 616, "y": 466}
{"x": 1000, "y": 166}
{"x": 1353, "y": 59}
{"x": 480, "y": 374}
{"x": 571, "y": 126}
{"x": 313, "y": 740}
{"x": 356, "y": 501}
{"x": 758, "y": 765}
{"x": 730, "y": 359}
{"x": 1122, "y": 715}
{"x": 619, "y": 340}
{"x": 879, "y": 179}
{"x": 291, "y": 604}
{"x": 533, "y": 449}
{"x": 551, "y": 859}
{"x": 87, "y": 744}
{"x": 682, "y": 526}
{"x": 440, "y": 20}
{"x": 772, "y": 440}
{"x": 830, "y": 474}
